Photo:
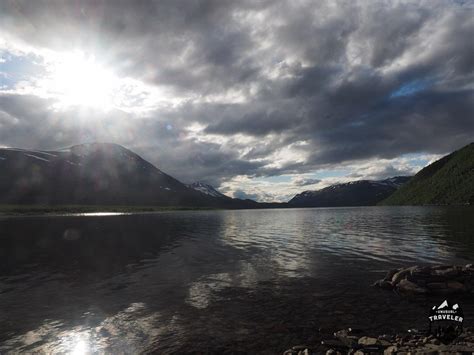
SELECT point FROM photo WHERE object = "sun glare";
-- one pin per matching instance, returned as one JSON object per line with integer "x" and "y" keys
{"x": 78, "y": 80}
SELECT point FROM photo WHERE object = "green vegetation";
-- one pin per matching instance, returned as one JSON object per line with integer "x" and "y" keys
{"x": 74, "y": 209}
{"x": 448, "y": 181}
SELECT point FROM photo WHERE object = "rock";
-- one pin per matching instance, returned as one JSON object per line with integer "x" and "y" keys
{"x": 439, "y": 279}
{"x": 387, "y": 337}
{"x": 332, "y": 352}
{"x": 384, "y": 343}
{"x": 391, "y": 350}
{"x": 403, "y": 273}
{"x": 383, "y": 284}
{"x": 410, "y": 287}
{"x": 435, "y": 341}
{"x": 451, "y": 272}
{"x": 346, "y": 337}
{"x": 359, "y": 352}
{"x": 366, "y": 341}
{"x": 390, "y": 273}
{"x": 420, "y": 275}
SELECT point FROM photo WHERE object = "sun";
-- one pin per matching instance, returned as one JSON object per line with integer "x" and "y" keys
{"x": 79, "y": 80}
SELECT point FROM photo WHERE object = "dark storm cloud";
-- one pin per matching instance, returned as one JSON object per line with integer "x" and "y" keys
{"x": 256, "y": 119}
{"x": 188, "y": 160}
{"x": 189, "y": 45}
{"x": 332, "y": 74}
{"x": 28, "y": 122}
{"x": 306, "y": 181}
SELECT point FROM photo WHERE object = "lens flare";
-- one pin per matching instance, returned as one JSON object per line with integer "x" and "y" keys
{"x": 78, "y": 80}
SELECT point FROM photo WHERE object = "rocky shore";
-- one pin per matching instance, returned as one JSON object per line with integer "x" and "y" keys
{"x": 438, "y": 280}
{"x": 414, "y": 280}
{"x": 352, "y": 342}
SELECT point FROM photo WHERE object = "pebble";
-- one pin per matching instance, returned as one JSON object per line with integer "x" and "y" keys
{"x": 368, "y": 341}
{"x": 390, "y": 350}
{"x": 410, "y": 343}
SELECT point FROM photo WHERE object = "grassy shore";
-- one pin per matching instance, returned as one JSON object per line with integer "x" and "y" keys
{"x": 72, "y": 209}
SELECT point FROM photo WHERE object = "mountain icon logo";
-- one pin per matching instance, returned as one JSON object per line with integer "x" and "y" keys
{"x": 443, "y": 305}
{"x": 445, "y": 321}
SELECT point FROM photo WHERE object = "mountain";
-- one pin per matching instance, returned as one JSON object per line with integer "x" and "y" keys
{"x": 449, "y": 180}
{"x": 354, "y": 193}
{"x": 96, "y": 174}
{"x": 206, "y": 189}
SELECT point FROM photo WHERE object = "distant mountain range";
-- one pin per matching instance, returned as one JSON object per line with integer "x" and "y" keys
{"x": 109, "y": 174}
{"x": 98, "y": 174}
{"x": 449, "y": 180}
{"x": 354, "y": 193}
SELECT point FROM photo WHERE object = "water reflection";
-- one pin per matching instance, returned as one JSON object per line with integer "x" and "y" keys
{"x": 100, "y": 214}
{"x": 203, "y": 280}
{"x": 129, "y": 331}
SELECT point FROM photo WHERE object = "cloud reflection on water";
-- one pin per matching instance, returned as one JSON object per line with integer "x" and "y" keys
{"x": 165, "y": 281}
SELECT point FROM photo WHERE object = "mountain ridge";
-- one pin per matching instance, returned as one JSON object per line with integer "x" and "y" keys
{"x": 110, "y": 174}
{"x": 353, "y": 193}
{"x": 96, "y": 174}
{"x": 447, "y": 181}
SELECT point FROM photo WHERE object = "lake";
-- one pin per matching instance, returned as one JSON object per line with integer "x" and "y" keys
{"x": 243, "y": 280}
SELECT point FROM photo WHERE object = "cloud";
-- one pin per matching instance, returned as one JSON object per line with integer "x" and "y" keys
{"x": 252, "y": 89}
{"x": 244, "y": 195}
{"x": 302, "y": 181}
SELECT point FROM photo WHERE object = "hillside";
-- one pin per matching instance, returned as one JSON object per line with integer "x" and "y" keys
{"x": 449, "y": 180}
{"x": 96, "y": 174}
{"x": 354, "y": 193}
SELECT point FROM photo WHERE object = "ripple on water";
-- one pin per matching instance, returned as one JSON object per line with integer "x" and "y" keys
{"x": 171, "y": 280}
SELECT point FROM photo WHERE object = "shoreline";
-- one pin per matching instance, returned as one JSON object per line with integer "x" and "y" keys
{"x": 8, "y": 210}
{"x": 354, "y": 342}
{"x": 65, "y": 210}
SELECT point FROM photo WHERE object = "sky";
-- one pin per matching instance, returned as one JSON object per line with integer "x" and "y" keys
{"x": 261, "y": 99}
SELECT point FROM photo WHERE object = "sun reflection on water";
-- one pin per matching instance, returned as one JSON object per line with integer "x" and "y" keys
{"x": 80, "y": 348}
{"x": 127, "y": 331}
{"x": 101, "y": 214}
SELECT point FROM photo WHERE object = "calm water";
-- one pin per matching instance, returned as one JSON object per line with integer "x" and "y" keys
{"x": 253, "y": 280}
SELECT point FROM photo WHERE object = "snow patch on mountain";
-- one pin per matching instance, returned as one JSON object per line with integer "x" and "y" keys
{"x": 205, "y": 189}
{"x": 37, "y": 157}
{"x": 353, "y": 193}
